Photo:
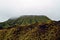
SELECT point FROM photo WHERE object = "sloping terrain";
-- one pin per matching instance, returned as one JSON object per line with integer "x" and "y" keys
{"x": 35, "y": 31}
{"x": 45, "y": 30}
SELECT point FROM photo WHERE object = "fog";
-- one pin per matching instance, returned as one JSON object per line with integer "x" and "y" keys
{"x": 15, "y": 8}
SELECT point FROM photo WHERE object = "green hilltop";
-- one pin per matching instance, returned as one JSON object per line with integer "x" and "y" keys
{"x": 25, "y": 20}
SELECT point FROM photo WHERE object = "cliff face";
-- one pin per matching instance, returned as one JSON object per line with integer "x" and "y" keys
{"x": 50, "y": 31}
{"x": 30, "y": 28}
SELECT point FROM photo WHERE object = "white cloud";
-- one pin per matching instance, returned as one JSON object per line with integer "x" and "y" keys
{"x": 9, "y": 8}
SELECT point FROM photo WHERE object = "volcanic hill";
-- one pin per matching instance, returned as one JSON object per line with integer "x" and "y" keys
{"x": 30, "y": 28}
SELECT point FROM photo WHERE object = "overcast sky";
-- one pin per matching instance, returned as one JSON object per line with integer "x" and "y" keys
{"x": 13, "y": 8}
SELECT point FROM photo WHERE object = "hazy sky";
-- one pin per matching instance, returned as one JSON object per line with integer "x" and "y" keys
{"x": 13, "y": 8}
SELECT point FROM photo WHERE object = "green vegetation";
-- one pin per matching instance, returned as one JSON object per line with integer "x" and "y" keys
{"x": 25, "y": 21}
